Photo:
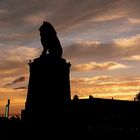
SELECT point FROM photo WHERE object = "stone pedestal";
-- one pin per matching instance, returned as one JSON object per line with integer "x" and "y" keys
{"x": 48, "y": 88}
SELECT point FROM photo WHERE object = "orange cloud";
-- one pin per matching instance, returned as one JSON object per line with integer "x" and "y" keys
{"x": 90, "y": 80}
{"x": 134, "y": 21}
{"x": 98, "y": 66}
{"x": 128, "y": 42}
{"x": 133, "y": 57}
{"x": 106, "y": 87}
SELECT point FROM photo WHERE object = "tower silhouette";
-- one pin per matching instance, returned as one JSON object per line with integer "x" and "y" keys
{"x": 7, "y": 109}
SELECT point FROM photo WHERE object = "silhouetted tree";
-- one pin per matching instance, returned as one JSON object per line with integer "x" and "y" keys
{"x": 91, "y": 97}
{"x": 137, "y": 97}
{"x": 75, "y": 97}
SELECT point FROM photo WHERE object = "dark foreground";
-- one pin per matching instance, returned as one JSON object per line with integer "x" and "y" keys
{"x": 88, "y": 130}
{"x": 87, "y": 119}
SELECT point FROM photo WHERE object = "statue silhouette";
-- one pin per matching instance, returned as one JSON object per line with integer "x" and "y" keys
{"x": 49, "y": 40}
{"x": 49, "y": 82}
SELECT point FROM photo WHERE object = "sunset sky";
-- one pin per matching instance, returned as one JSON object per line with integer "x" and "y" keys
{"x": 100, "y": 38}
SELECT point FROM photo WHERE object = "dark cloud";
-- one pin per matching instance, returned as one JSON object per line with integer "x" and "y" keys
{"x": 68, "y": 14}
{"x": 19, "y": 79}
{"x": 102, "y": 52}
{"x": 14, "y": 60}
{"x": 18, "y": 88}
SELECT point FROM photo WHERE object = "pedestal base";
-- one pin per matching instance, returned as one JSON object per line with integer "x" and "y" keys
{"x": 49, "y": 88}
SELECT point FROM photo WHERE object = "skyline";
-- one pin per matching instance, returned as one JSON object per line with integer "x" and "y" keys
{"x": 99, "y": 38}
